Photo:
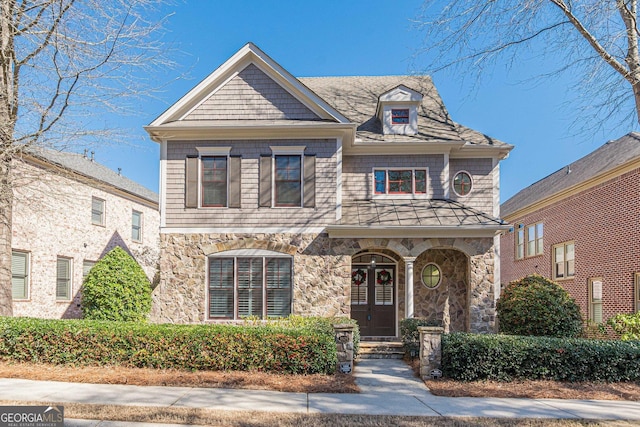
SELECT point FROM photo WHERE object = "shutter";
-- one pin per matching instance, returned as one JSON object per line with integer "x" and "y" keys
{"x": 265, "y": 181}
{"x": 235, "y": 181}
{"x": 19, "y": 275}
{"x": 309, "y": 181}
{"x": 63, "y": 276}
{"x": 191, "y": 182}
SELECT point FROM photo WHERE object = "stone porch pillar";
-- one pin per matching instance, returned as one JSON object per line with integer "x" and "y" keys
{"x": 408, "y": 277}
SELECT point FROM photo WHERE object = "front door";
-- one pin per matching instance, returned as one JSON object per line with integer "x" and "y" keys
{"x": 373, "y": 293}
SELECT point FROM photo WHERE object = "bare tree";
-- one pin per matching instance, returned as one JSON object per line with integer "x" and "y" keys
{"x": 61, "y": 61}
{"x": 596, "y": 41}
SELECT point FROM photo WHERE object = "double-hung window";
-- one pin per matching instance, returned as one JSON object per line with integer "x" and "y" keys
{"x": 595, "y": 300}
{"x": 399, "y": 116}
{"x": 535, "y": 242}
{"x": 288, "y": 180}
{"x": 136, "y": 226}
{"x": 564, "y": 261}
{"x": 97, "y": 211}
{"x": 400, "y": 181}
{"x": 519, "y": 243}
{"x": 636, "y": 292}
{"x": 256, "y": 284}
{"x": 214, "y": 181}
{"x": 19, "y": 275}
{"x": 63, "y": 279}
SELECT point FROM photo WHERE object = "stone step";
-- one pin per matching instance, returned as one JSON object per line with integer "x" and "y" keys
{"x": 381, "y": 350}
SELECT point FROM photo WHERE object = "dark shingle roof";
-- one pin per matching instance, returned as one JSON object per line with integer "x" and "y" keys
{"x": 411, "y": 213}
{"x": 87, "y": 167}
{"x": 357, "y": 98}
{"x": 605, "y": 158}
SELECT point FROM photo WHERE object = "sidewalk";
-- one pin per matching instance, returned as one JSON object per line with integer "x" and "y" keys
{"x": 388, "y": 387}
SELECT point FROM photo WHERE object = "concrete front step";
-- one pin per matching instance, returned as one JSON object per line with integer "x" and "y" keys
{"x": 381, "y": 350}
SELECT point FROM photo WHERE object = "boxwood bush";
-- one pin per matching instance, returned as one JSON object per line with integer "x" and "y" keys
{"x": 470, "y": 357}
{"x": 410, "y": 334}
{"x": 534, "y": 305}
{"x": 294, "y": 346}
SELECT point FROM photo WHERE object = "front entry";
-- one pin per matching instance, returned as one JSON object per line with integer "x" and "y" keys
{"x": 373, "y": 292}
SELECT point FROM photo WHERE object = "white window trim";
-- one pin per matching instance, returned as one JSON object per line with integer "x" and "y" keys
{"x": 592, "y": 301}
{"x": 141, "y": 225}
{"x": 28, "y": 275}
{"x": 453, "y": 179}
{"x": 297, "y": 150}
{"x": 414, "y": 195}
{"x": 70, "y": 261}
{"x": 206, "y": 152}
{"x": 104, "y": 211}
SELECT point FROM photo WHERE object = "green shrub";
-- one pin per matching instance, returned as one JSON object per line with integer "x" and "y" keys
{"x": 471, "y": 357}
{"x": 410, "y": 334}
{"x": 116, "y": 288}
{"x": 537, "y": 306}
{"x": 270, "y": 347}
{"x": 626, "y": 325}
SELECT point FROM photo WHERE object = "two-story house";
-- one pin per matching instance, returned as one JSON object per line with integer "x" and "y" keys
{"x": 331, "y": 196}
{"x": 579, "y": 227}
{"x": 68, "y": 211}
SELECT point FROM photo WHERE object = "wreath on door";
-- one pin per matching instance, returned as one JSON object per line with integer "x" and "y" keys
{"x": 383, "y": 278}
{"x": 358, "y": 277}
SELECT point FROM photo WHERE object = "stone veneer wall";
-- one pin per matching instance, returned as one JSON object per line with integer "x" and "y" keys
{"x": 321, "y": 273}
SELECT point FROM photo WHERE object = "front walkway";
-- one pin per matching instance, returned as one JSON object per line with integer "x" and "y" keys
{"x": 387, "y": 387}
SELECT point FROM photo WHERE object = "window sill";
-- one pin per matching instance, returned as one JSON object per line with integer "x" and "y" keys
{"x": 563, "y": 279}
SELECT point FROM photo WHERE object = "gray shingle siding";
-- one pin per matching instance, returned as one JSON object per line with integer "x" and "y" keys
{"x": 252, "y": 95}
{"x": 357, "y": 173}
{"x": 481, "y": 196}
{"x": 250, "y": 215}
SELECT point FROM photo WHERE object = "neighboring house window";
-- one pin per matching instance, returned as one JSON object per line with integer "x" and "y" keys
{"x": 564, "y": 260}
{"x": 637, "y": 292}
{"x": 462, "y": 183}
{"x": 136, "y": 226}
{"x": 249, "y": 286}
{"x": 399, "y": 116}
{"x": 595, "y": 300}
{"x": 520, "y": 243}
{"x": 97, "y": 211}
{"x": 535, "y": 242}
{"x": 86, "y": 268}
{"x": 63, "y": 279}
{"x": 288, "y": 180}
{"x": 403, "y": 181}
{"x": 19, "y": 275}
{"x": 214, "y": 181}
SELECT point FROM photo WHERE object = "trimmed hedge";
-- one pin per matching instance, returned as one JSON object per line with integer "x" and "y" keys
{"x": 410, "y": 334}
{"x": 470, "y": 357}
{"x": 286, "y": 346}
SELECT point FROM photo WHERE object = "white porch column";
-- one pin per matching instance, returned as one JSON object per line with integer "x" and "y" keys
{"x": 408, "y": 278}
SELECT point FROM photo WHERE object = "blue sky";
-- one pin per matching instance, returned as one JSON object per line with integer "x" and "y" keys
{"x": 361, "y": 37}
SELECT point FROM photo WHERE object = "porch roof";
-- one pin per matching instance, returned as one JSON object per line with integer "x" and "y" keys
{"x": 413, "y": 218}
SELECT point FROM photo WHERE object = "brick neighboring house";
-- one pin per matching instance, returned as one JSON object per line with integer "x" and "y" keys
{"x": 68, "y": 212}
{"x": 352, "y": 196}
{"x": 579, "y": 227}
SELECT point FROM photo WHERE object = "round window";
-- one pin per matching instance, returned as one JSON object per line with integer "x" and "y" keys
{"x": 431, "y": 276}
{"x": 462, "y": 183}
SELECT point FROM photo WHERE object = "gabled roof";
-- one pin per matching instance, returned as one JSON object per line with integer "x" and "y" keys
{"x": 249, "y": 59}
{"x": 605, "y": 160}
{"x": 84, "y": 166}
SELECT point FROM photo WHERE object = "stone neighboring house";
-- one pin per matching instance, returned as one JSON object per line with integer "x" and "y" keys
{"x": 579, "y": 227}
{"x": 330, "y": 196}
{"x": 68, "y": 212}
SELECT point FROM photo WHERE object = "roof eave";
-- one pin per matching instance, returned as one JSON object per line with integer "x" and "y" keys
{"x": 352, "y": 231}
{"x": 262, "y": 131}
